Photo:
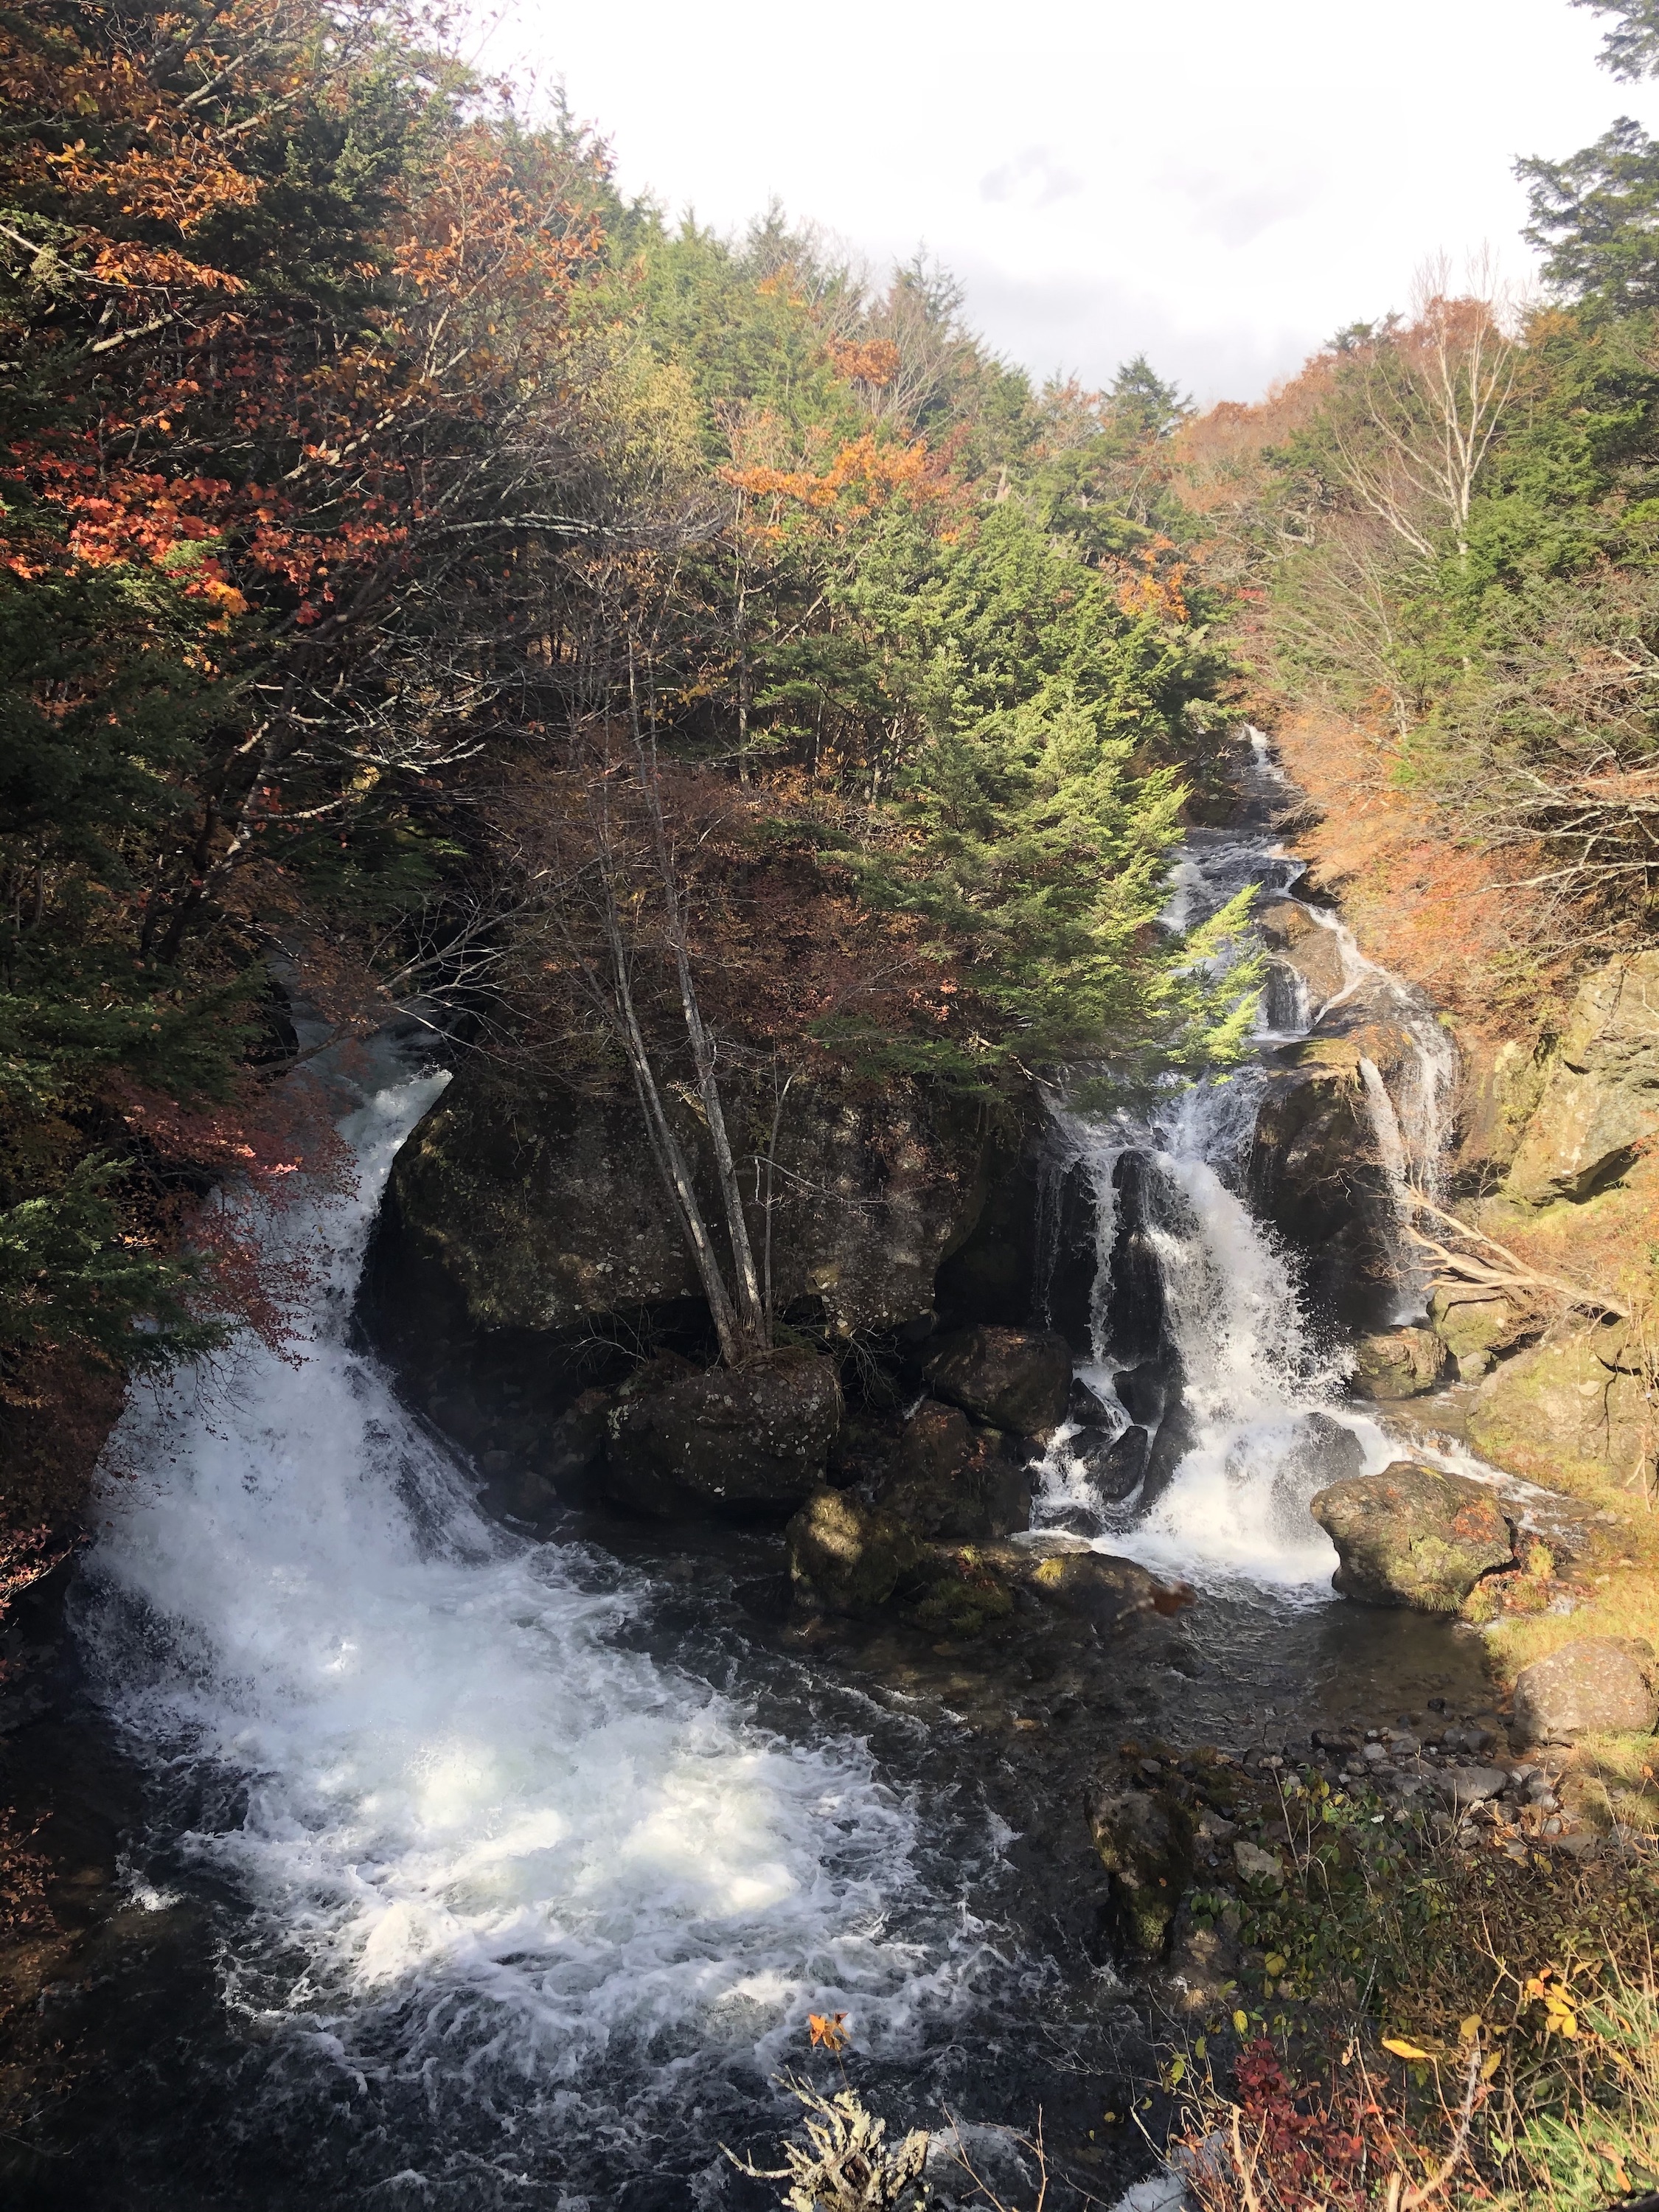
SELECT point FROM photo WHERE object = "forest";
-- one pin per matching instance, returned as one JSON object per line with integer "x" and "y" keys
{"x": 426, "y": 570}
{"x": 704, "y": 704}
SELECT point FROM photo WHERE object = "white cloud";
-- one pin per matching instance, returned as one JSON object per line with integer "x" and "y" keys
{"x": 1034, "y": 177}
{"x": 1221, "y": 186}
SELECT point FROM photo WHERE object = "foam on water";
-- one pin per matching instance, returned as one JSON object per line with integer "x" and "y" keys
{"x": 417, "y": 1750}
{"x": 1262, "y": 1403}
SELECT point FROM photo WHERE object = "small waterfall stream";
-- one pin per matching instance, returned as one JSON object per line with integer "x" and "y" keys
{"x": 1263, "y": 1420}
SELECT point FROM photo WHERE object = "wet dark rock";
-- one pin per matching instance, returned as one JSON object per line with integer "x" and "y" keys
{"x": 1177, "y": 1432}
{"x": 1068, "y": 1214}
{"x": 540, "y": 1211}
{"x": 1094, "y": 1586}
{"x": 1314, "y": 1171}
{"x": 866, "y": 1450}
{"x": 1414, "y": 1536}
{"x": 948, "y": 1477}
{"x": 971, "y": 1585}
{"x": 1323, "y": 1452}
{"x": 1082, "y": 1406}
{"x": 1143, "y": 1391}
{"x": 1014, "y": 1379}
{"x": 1593, "y": 1683}
{"x": 1137, "y": 1317}
{"x": 848, "y": 1557}
{"x": 750, "y": 1438}
{"x": 1116, "y": 1468}
{"x": 1144, "y": 1838}
{"x": 573, "y": 1457}
{"x": 1401, "y": 1362}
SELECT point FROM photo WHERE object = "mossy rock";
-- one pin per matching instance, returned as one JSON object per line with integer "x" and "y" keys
{"x": 1414, "y": 1536}
{"x": 1570, "y": 1412}
{"x": 848, "y": 1557}
{"x": 1144, "y": 1839}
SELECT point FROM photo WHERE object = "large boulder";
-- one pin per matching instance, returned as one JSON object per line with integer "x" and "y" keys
{"x": 1016, "y": 1379}
{"x": 848, "y": 1557}
{"x": 536, "y": 1211}
{"x": 1316, "y": 1170}
{"x": 1414, "y": 1536}
{"x": 1595, "y": 1683}
{"x": 1478, "y": 1326}
{"x": 1115, "y": 1467}
{"x": 1570, "y": 1413}
{"x": 754, "y": 1438}
{"x": 950, "y": 1478}
{"x": 1400, "y": 1363}
{"x": 1300, "y": 943}
{"x": 1098, "y": 1587}
{"x": 1600, "y": 1106}
{"x": 1145, "y": 1841}
{"x": 1054, "y": 1573}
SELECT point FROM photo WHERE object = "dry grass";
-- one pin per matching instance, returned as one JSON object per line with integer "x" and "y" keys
{"x": 1438, "y": 913}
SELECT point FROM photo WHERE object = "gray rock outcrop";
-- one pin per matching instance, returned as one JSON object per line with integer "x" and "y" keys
{"x": 1592, "y": 1683}
{"x": 1571, "y": 1411}
{"x": 1296, "y": 939}
{"x": 1600, "y": 1101}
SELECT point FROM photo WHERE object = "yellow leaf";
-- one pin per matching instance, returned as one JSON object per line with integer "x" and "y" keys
{"x": 1274, "y": 1962}
{"x": 1490, "y": 2064}
{"x": 1401, "y": 2048}
{"x": 1240, "y": 2023}
{"x": 1177, "y": 2071}
{"x": 1469, "y": 2028}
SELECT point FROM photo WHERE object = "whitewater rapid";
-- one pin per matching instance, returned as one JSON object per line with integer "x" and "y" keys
{"x": 1263, "y": 1397}
{"x": 422, "y": 1755}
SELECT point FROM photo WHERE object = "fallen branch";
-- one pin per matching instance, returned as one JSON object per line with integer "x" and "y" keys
{"x": 1515, "y": 1275}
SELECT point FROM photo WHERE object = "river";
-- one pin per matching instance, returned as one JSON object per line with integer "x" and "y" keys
{"x": 454, "y": 1867}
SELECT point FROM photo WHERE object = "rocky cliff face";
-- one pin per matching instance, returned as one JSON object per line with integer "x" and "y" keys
{"x": 1599, "y": 1107}
{"x": 526, "y": 1250}
{"x": 545, "y": 1214}
{"x": 1317, "y": 1170}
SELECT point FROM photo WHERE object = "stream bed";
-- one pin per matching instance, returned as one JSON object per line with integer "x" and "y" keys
{"x": 425, "y": 1860}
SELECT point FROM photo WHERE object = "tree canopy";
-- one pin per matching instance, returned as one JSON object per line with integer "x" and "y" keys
{"x": 404, "y": 534}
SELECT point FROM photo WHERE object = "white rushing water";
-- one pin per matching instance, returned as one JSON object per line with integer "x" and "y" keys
{"x": 1265, "y": 1405}
{"x": 441, "y": 1781}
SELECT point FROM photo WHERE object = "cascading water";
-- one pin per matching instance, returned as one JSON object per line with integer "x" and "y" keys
{"x": 1262, "y": 1423}
{"x": 480, "y": 1847}
{"x": 475, "y": 1870}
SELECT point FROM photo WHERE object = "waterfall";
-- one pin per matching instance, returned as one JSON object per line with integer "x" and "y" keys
{"x": 467, "y": 1821}
{"x": 1261, "y": 1422}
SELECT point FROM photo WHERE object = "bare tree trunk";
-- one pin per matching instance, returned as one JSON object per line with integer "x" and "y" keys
{"x": 750, "y": 1307}
{"x": 665, "y": 1148}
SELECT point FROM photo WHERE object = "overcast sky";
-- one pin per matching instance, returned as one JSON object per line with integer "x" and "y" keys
{"x": 1222, "y": 185}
